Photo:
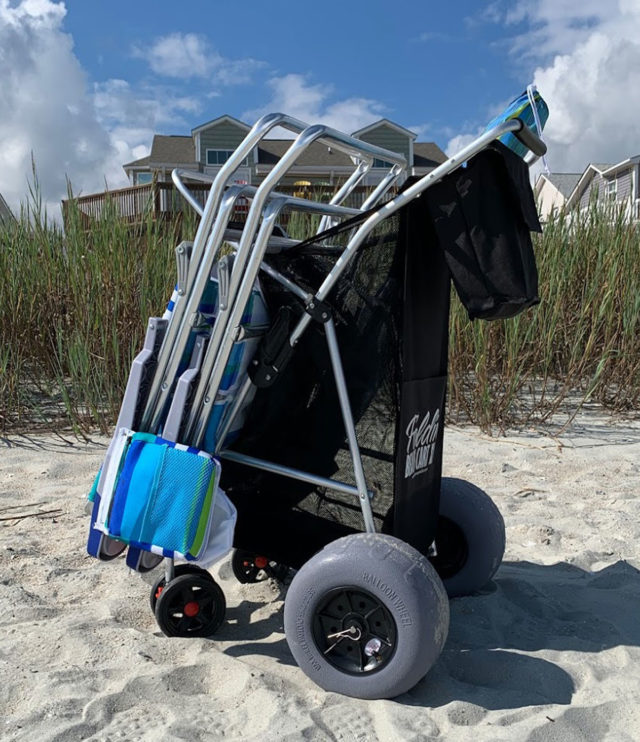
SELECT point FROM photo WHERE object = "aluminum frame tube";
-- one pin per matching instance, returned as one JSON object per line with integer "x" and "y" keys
{"x": 287, "y": 471}
{"x": 177, "y": 336}
{"x": 389, "y": 208}
{"x": 225, "y": 328}
{"x": 347, "y": 417}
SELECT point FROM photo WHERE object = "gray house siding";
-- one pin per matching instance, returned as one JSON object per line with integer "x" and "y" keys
{"x": 624, "y": 185}
{"x": 388, "y": 138}
{"x": 595, "y": 189}
{"x": 224, "y": 135}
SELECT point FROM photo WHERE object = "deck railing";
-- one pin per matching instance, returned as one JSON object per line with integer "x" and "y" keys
{"x": 162, "y": 200}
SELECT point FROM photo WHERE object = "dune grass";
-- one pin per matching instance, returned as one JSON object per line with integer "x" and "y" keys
{"x": 75, "y": 304}
{"x": 581, "y": 343}
{"x": 73, "y": 313}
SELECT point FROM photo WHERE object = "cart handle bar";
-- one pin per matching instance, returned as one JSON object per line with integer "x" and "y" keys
{"x": 530, "y": 139}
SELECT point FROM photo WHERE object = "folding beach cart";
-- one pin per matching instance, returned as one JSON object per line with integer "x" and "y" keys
{"x": 290, "y": 403}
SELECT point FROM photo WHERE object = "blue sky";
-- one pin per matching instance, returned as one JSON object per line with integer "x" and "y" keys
{"x": 85, "y": 84}
{"x": 430, "y": 65}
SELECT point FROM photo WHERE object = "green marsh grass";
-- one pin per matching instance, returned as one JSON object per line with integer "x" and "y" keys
{"x": 75, "y": 305}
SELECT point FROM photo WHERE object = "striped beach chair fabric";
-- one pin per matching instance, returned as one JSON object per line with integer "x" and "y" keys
{"x": 163, "y": 497}
{"x": 159, "y": 496}
{"x": 531, "y": 109}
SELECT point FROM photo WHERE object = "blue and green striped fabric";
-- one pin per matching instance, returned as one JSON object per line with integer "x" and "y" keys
{"x": 164, "y": 497}
{"x": 521, "y": 108}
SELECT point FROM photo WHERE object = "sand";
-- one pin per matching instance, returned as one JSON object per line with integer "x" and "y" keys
{"x": 549, "y": 651}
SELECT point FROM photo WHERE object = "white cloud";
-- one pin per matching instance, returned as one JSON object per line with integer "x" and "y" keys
{"x": 46, "y": 109}
{"x": 294, "y": 95}
{"x": 459, "y": 142}
{"x": 72, "y": 128}
{"x": 190, "y": 55}
{"x": 586, "y": 56}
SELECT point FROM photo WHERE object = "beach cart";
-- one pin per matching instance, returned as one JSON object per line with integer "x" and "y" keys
{"x": 289, "y": 404}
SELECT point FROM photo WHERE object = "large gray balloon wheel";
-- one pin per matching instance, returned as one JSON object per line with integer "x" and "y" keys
{"x": 367, "y": 616}
{"x": 470, "y": 539}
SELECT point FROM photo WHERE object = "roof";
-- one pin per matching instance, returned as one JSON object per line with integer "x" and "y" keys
{"x": 142, "y": 162}
{"x": 5, "y": 211}
{"x": 180, "y": 150}
{"x": 601, "y": 166}
{"x": 622, "y": 165}
{"x": 564, "y": 182}
{"x": 318, "y": 154}
{"x": 173, "y": 149}
{"x": 384, "y": 122}
{"x": 220, "y": 120}
{"x": 427, "y": 154}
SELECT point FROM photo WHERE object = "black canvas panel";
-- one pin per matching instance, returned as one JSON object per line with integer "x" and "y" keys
{"x": 425, "y": 332}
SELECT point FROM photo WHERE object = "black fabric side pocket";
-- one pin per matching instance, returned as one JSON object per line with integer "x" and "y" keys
{"x": 482, "y": 215}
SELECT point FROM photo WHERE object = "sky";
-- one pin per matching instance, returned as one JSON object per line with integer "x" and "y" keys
{"x": 85, "y": 84}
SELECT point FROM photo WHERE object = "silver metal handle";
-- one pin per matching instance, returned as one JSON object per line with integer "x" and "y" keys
{"x": 530, "y": 139}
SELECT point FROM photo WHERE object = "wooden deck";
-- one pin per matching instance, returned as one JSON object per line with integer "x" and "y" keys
{"x": 163, "y": 201}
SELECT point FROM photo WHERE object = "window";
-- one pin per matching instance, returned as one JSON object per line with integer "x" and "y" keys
{"x": 143, "y": 178}
{"x": 220, "y": 156}
{"x": 612, "y": 189}
{"x": 381, "y": 163}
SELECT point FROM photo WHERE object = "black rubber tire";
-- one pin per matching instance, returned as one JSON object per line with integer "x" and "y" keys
{"x": 185, "y": 590}
{"x": 470, "y": 540}
{"x": 243, "y": 568}
{"x": 246, "y": 572}
{"x": 388, "y": 572}
{"x": 178, "y": 571}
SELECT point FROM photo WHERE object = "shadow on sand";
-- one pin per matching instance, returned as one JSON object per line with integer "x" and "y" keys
{"x": 486, "y": 661}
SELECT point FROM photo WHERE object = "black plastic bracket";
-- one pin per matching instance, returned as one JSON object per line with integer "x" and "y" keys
{"x": 274, "y": 352}
{"x": 320, "y": 311}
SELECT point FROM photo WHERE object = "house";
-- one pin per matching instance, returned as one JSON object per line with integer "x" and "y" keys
{"x": 603, "y": 183}
{"x": 212, "y": 143}
{"x": 5, "y": 211}
{"x": 552, "y": 191}
{"x": 607, "y": 183}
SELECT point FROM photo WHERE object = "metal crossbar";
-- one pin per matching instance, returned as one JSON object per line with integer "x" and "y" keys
{"x": 267, "y": 204}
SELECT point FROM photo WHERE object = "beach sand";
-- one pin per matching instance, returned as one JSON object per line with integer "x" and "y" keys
{"x": 549, "y": 651}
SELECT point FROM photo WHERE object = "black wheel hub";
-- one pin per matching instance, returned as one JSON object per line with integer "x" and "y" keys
{"x": 249, "y": 567}
{"x": 179, "y": 570}
{"x": 451, "y": 547}
{"x": 354, "y": 630}
{"x": 190, "y": 605}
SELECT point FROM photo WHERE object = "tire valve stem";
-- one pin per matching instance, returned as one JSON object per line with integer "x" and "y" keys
{"x": 373, "y": 647}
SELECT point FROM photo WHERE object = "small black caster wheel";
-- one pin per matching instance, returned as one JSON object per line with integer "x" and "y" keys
{"x": 249, "y": 567}
{"x": 178, "y": 571}
{"x": 190, "y": 606}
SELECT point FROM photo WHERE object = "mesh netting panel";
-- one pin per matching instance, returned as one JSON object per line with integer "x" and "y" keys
{"x": 298, "y": 422}
{"x": 171, "y": 519}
